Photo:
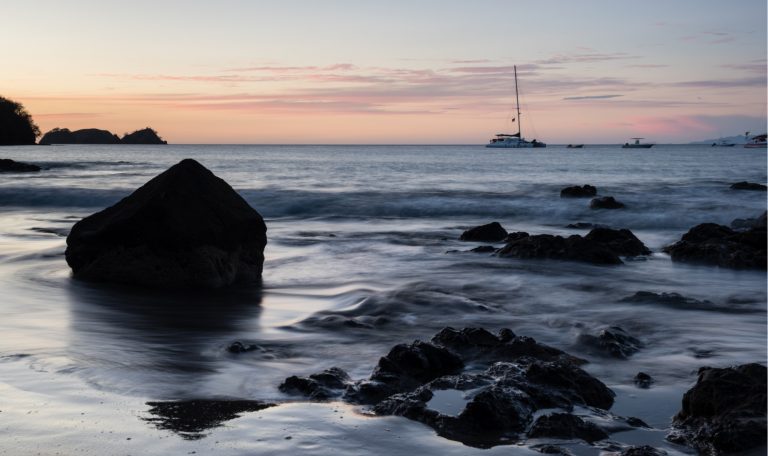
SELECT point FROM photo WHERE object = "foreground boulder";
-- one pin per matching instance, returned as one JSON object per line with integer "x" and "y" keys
{"x": 492, "y": 232}
{"x": 744, "y": 185}
{"x": 10, "y": 166}
{"x": 585, "y": 191}
{"x": 599, "y": 246}
{"x": 725, "y": 412}
{"x": 184, "y": 228}
{"x": 497, "y": 405}
{"x": 719, "y": 245}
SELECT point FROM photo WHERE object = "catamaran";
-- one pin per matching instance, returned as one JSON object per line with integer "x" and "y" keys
{"x": 514, "y": 140}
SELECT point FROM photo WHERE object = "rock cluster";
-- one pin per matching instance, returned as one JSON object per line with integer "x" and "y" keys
{"x": 599, "y": 246}
{"x": 501, "y": 402}
{"x": 185, "y": 228}
{"x": 585, "y": 191}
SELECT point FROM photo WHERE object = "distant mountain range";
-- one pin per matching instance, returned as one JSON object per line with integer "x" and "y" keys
{"x": 738, "y": 139}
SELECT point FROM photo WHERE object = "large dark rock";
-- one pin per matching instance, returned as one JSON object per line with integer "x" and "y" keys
{"x": 725, "y": 412}
{"x": 585, "y": 191}
{"x": 84, "y": 136}
{"x": 10, "y": 166}
{"x": 605, "y": 202}
{"x": 492, "y": 232}
{"x": 621, "y": 242}
{"x": 184, "y": 228}
{"x": 744, "y": 185}
{"x": 547, "y": 246}
{"x": 145, "y": 136}
{"x": 719, "y": 245}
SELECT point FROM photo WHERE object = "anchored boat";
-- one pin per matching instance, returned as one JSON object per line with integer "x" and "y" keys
{"x": 514, "y": 140}
{"x": 637, "y": 144}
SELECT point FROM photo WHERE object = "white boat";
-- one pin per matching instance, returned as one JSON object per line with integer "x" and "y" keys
{"x": 514, "y": 140}
{"x": 637, "y": 144}
{"x": 757, "y": 142}
{"x": 723, "y": 143}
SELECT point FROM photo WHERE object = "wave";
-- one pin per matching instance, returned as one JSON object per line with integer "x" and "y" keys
{"x": 660, "y": 210}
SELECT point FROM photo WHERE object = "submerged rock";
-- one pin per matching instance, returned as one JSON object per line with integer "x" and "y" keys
{"x": 320, "y": 387}
{"x": 709, "y": 243}
{"x": 585, "y": 191}
{"x": 566, "y": 426}
{"x": 744, "y": 185}
{"x": 599, "y": 246}
{"x": 492, "y": 232}
{"x": 643, "y": 380}
{"x": 613, "y": 341}
{"x": 605, "y": 202}
{"x": 184, "y": 228}
{"x": 725, "y": 412}
{"x": 10, "y": 166}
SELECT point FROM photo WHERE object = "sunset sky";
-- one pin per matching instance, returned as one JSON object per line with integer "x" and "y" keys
{"x": 417, "y": 71}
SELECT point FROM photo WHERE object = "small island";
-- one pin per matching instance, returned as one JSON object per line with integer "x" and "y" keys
{"x": 97, "y": 136}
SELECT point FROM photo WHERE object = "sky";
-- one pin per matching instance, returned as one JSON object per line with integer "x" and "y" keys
{"x": 389, "y": 72}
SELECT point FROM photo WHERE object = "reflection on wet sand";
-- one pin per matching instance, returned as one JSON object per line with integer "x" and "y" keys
{"x": 190, "y": 419}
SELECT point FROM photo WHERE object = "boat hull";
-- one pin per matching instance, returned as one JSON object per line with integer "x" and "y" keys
{"x": 637, "y": 146}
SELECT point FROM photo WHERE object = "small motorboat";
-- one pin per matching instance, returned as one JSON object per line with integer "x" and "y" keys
{"x": 723, "y": 143}
{"x": 574, "y": 146}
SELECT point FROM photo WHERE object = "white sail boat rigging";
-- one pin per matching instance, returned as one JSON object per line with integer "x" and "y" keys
{"x": 514, "y": 140}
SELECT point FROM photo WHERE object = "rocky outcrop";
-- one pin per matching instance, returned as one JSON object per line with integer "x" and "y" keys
{"x": 10, "y": 166}
{"x": 500, "y": 403}
{"x": 492, "y": 232}
{"x": 96, "y": 136}
{"x": 744, "y": 185}
{"x": 84, "y": 136}
{"x": 599, "y": 246}
{"x": 585, "y": 191}
{"x": 605, "y": 202}
{"x": 709, "y": 243}
{"x": 725, "y": 412}
{"x": 145, "y": 136}
{"x": 748, "y": 223}
{"x": 184, "y": 228}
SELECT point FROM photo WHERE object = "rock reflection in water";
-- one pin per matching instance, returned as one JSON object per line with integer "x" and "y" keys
{"x": 190, "y": 419}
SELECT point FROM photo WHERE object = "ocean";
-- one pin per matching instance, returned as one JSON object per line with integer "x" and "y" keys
{"x": 362, "y": 254}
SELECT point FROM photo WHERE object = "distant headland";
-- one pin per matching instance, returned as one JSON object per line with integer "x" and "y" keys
{"x": 96, "y": 136}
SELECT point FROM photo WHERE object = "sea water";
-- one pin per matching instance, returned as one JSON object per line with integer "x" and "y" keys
{"x": 363, "y": 253}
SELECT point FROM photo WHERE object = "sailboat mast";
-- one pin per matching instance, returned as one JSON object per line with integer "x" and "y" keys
{"x": 517, "y": 101}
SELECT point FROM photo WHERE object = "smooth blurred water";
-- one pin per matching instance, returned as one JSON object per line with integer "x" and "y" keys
{"x": 363, "y": 253}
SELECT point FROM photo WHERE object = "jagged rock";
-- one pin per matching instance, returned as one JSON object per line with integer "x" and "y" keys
{"x": 184, "y": 228}
{"x": 145, "y": 136}
{"x": 725, "y": 412}
{"x": 719, "y": 245}
{"x": 320, "y": 387}
{"x": 492, "y": 232}
{"x": 585, "y": 191}
{"x": 613, "y": 341}
{"x": 605, "y": 202}
{"x": 11, "y": 166}
{"x": 566, "y": 426}
{"x": 744, "y": 185}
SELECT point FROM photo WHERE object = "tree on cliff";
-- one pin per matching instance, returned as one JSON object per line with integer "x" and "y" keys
{"x": 16, "y": 125}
